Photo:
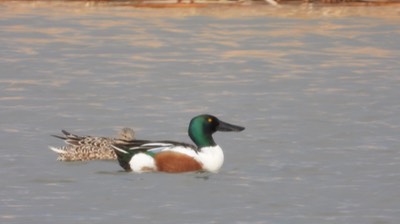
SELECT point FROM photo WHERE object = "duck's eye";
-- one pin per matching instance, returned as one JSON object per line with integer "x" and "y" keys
{"x": 210, "y": 120}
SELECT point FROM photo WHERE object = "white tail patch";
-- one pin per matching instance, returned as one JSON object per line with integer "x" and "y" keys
{"x": 142, "y": 162}
{"x": 57, "y": 150}
{"x": 119, "y": 149}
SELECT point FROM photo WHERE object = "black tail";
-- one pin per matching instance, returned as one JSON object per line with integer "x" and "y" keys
{"x": 69, "y": 138}
{"x": 124, "y": 157}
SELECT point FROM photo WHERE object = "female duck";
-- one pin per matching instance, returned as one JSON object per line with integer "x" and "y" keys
{"x": 174, "y": 157}
{"x": 83, "y": 148}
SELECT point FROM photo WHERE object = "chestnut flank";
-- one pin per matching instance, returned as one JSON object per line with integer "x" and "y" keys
{"x": 174, "y": 162}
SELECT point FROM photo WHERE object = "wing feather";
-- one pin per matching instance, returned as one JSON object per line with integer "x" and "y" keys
{"x": 135, "y": 146}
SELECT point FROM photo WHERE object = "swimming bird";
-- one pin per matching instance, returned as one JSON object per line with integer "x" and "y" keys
{"x": 175, "y": 157}
{"x": 83, "y": 148}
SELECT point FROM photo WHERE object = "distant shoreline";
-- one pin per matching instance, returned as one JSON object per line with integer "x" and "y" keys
{"x": 207, "y": 3}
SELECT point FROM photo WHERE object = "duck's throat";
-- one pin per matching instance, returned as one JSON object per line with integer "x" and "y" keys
{"x": 202, "y": 139}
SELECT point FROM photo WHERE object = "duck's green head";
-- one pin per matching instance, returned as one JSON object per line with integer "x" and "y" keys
{"x": 203, "y": 126}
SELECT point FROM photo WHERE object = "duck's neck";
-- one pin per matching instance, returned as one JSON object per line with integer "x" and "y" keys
{"x": 200, "y": 137}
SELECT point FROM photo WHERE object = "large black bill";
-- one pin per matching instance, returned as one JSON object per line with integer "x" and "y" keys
{"x": 223, "y": 126}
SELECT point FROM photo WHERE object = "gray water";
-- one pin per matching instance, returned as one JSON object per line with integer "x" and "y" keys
{"x": 317, "y": 89}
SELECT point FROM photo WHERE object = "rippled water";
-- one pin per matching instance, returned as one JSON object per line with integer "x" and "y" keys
{"x": 317, "y": 89}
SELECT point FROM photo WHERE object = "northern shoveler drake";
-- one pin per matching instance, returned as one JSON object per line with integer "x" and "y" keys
{"x": 83, "y": 148}
{"x": 175, "y": 157}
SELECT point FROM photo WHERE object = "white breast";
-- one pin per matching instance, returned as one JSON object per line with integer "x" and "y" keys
{"x": 212, "y": 158}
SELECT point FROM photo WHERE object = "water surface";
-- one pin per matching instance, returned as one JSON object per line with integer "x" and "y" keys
{"x": 317, "y": 89}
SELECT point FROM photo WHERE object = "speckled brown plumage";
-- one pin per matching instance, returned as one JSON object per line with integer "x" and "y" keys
{"x": 83, "y": 148}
